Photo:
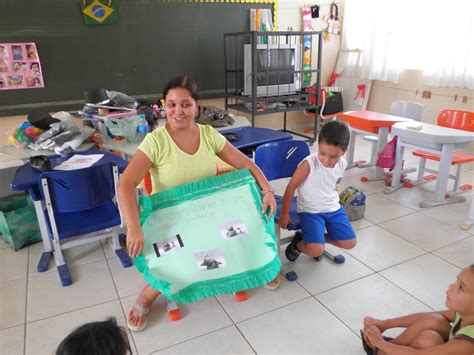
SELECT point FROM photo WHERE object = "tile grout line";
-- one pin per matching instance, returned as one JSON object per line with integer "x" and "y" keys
{"x": 428, "y": 251}
{"x": 118, "y": 296}
{"x": 235, "y": 324}
{"x": 26, "y": 300}
{"x": 335, "y": 316}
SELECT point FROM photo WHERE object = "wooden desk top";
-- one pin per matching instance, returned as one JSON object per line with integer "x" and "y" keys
{"x": 370, "y": 121}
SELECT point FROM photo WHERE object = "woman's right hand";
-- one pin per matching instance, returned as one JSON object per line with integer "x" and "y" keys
{"x": 135, "y": 241}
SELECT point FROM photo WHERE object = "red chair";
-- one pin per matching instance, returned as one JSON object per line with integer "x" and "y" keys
{"x": 462, "y": 120}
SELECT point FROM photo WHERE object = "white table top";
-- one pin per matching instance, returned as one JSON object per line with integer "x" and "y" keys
{"x": 431, "y": 136}
{"x": 26, "y": 153}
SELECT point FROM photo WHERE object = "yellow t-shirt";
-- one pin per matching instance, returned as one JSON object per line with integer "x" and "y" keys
{"x": 172, "y": 167}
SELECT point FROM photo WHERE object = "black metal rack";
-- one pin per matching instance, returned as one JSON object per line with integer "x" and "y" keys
{"x": 273, "y": 82}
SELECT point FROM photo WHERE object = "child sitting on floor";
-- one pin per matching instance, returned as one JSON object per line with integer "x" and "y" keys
{"x": 316, "y": 179}
{"x": 429, "y": 332}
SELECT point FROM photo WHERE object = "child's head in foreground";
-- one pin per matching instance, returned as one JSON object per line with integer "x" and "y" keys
{"x": 97, "y": 338}
{"x": 333, "y": 141}
{"x": 460, "y": 294}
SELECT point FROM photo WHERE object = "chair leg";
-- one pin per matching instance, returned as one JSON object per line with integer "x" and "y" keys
{"x": 289, "y": 274}
{"x": 64, "y": 275}
{"x": 117, "y": 248}
{"x": 173, "y": 310}
{"x": 338, "y": 259}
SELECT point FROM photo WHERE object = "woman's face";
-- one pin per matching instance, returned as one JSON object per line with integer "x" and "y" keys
{"x": 180, "y": 108}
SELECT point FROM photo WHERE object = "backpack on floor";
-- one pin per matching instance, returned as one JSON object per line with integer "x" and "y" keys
{"x": 386, "y": 158}
{"x": 353, "y": 201}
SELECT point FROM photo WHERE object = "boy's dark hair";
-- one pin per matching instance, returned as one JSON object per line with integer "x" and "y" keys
{"x": 97, "y": 338}
{"x": 335, "y": 133}
{"x": 183, "y": 82}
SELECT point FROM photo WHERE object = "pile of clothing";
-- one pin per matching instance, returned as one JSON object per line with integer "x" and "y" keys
{"x": 60, "y": 133}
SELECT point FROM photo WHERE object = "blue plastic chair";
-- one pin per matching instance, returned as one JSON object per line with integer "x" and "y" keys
{"x": 279, "y": 160}
{"x": 81, "y": 208}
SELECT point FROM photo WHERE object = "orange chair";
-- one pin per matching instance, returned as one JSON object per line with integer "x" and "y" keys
{"x": 462, "y": 120}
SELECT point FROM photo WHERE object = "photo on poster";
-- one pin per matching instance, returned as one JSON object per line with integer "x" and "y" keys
{"x": 2, "y": 81}
{"x": 34, "y": 82}
{"x": 3, "y": 59}
{"x": 168, "y": 245}
{"x": 15, "y": 80}
{"x": 19, "y": 66}
{"x": 210, "y": 260}
{"x": 35, "y": 69}
{"x": 17, "y": 52}
{"x": 233, "y": 229}
{"x": 31, "y": 51}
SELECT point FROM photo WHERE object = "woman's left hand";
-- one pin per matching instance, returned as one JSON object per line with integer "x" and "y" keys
{"x": 269, "y": 203}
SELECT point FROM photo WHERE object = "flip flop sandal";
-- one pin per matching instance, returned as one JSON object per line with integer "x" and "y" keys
{"x": 273, "y": 285}
{"x": 141, "y": 311}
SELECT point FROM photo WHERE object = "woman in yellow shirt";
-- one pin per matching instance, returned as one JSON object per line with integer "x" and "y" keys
{"x": 180, "y": 152}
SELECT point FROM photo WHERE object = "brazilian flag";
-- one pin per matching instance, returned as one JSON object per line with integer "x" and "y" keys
{"x": 98, "y": 13}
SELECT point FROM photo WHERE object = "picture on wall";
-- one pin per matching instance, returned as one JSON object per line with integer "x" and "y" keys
{"x": 20, "y": 66}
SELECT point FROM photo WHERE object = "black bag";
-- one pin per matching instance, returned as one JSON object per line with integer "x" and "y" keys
{"x": 333, "y": 104}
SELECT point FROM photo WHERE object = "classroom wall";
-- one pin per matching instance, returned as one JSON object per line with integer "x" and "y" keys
{"x": 384, "y": 93}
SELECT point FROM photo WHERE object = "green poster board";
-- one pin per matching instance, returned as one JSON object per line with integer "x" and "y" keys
{"x": 207, "y": 238}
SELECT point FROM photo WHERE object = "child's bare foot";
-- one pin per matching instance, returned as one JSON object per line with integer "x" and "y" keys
{"x": 137, "y": 318}
{"x": 379, "y": 323}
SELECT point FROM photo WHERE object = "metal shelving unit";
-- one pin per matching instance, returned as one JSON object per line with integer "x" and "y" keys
{"x": 271, "y": 72}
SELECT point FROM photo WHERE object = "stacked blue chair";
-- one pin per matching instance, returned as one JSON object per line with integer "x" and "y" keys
{"x": 279, "y": 160}
{"x": 81, "y": 207}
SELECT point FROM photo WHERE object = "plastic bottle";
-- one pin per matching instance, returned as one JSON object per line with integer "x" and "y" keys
{"x": 142, "y": 127}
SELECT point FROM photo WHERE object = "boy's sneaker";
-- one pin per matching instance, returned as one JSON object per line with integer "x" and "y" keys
{"x": 291, "y": 252}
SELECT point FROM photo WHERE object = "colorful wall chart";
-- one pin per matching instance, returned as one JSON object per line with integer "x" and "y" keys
{"x": 20, "y": 66}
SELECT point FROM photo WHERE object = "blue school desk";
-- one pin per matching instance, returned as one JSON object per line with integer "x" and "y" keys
{"x": 27, "y": 179}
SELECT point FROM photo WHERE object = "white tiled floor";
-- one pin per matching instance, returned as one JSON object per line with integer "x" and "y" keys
{"x": 403, "y": 263}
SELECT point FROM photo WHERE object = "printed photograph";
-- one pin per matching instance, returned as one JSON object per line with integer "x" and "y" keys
{"x": 14, "y": 80}
{"x": 3, "y": 52}
{"x": 168, "y": 245}
{"x": 17, "y": 53}
{"x": 3, "y": 65}
{"x": 2, "y": 82}
{"x": 233, "y": 229}
{"x": 35, "y": 69}
{"x": 210, "y": 260}
{"x": 34, "y": 82}
{"x": 19, "y": 66}
{"x": 31, "y": 51}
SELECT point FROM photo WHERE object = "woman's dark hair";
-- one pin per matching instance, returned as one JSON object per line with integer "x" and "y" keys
{"x": 183, "y": 82}
{"x": 97, "y": 338}
{"x": 335, "y": 133}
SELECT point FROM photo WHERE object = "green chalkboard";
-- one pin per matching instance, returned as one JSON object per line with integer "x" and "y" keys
{"x": 150, "y": 42}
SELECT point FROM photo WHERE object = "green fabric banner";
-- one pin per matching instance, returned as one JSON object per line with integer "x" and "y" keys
{"x": 206, "y": 238}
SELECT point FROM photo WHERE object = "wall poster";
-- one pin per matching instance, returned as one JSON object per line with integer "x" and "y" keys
{"x": 20, "y": 66}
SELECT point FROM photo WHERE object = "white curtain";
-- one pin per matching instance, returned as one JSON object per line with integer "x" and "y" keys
{"x": 436, "y": 37}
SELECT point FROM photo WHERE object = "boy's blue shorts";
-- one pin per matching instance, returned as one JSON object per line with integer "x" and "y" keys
{"x": 336, "y": 223}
